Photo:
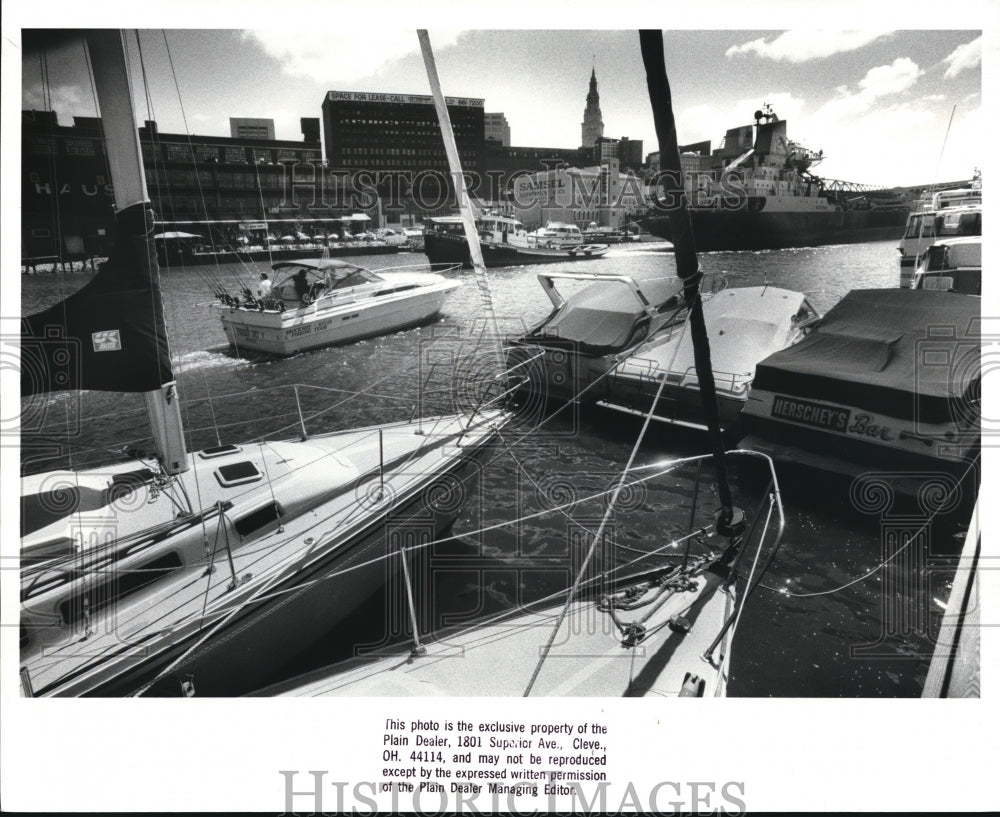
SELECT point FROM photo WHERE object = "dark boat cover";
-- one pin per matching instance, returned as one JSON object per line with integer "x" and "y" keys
{"x": 606, "y": 317}
{"x": 899, "y": 352}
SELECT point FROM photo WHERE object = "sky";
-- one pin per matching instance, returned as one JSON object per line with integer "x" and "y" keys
{"x": 876, "y": 101}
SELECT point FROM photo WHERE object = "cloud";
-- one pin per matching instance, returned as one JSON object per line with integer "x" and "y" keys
{"x": 67, "y": 100}
{"x": 334, "y": 57}
{"x": 965, "y": 56}
{"x": 805, "y": 45}
{"x": 890, "y": 79}
{"x": 881, "y": 81}
{"x": 699, "y": 122}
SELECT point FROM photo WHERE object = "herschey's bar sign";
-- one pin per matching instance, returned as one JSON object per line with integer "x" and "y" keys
{"x": 811, "y": 414}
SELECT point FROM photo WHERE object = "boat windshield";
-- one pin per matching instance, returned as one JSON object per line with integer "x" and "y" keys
{"x": 304, "y": 282}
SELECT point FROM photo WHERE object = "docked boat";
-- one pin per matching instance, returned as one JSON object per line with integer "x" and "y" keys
{"x": 322, "y": 302}
{"x": 573, "y": 349}
{"x": 889, "y": 380}
{"x": 745, "y": 325}
{"x": 656, "y": 623}
{"x": 172, "y": 572}
{"x": 941, "y": 214}
{"x": 558, "y": 235}
{"x": 951, "y": 264}
{"x": 758, "y": 192}
{"x": 504, "y": 242}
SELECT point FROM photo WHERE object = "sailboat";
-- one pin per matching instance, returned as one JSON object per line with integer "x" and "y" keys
{"x": 177, "y": 572}
{"x": 651, "y": 615}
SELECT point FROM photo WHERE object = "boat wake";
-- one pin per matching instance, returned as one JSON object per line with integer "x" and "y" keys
{"x": 206, "y": 359}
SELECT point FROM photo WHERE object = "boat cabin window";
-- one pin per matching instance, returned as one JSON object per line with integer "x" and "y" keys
{"x": 255, "y": 520}
{"x": 355, "y": 277}
{"x": 124, "y": 584}
{"x": 913, "y": 227}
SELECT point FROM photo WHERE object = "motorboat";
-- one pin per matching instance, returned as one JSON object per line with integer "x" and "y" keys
{"x": 745, "y": 325}
{"x": 571, "y": 351}
{"x": 951, "y": 264}
{"x": 940, "y": 214}
{"x": 888, "y": 380}
{"x": 168, "y": 572}
{"x": 558, "y": 235}
{"x": 322, "y": 302}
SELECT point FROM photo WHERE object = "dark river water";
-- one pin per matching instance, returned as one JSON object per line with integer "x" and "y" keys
{"x": 827, "y": 621}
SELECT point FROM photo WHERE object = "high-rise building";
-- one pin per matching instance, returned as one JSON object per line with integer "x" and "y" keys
{"x": 379, "y": 132}
{"x": 592, "y": 127}
{"x": 241, "y": 128}
{"x": 497, "y": 129}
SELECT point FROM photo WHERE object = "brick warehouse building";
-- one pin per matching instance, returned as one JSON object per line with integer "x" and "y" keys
{"x": 67, "y": 199}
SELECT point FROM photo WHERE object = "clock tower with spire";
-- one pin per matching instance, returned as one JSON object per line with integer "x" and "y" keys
{"x": 592, "y": 127}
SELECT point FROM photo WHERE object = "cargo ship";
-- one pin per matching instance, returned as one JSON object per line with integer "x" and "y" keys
{"x": 758, "y": 192}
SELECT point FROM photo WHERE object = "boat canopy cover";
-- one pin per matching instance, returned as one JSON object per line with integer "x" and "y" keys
{"x": 904, "y": 353}
{"x": 606, "y": 317}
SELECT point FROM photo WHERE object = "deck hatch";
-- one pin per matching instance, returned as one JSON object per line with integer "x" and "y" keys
{"x": 237, "y": 473}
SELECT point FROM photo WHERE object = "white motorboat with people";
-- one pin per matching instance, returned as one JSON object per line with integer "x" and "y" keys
{"x": 321, "y": 302}
{"x": 169, "y": 572}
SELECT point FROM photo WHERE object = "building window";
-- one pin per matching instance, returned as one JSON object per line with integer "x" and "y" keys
{"x": 80, "y": 147}
{"x": 178, "y": 153}
{"x": 41, "y": 144}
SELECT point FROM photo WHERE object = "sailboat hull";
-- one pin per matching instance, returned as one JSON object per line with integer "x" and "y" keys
{"x": 307, "y": 572}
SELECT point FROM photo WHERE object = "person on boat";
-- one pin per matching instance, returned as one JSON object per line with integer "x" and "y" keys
{"x": 264, "y": 289}
{"x": 301, "y": 286}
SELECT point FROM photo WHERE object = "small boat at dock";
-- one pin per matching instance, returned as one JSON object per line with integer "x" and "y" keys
{"x": 745, "y": 325}
{"x": 504, "y": 243}
{"x": 888, "y": 380}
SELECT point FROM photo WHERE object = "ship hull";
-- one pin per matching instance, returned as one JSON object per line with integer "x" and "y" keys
{"x": 742, "y": 230}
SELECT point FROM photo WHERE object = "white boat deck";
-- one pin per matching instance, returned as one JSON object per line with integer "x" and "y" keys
{"x": 350, "y": 497}
{"x": 586, "y": 659}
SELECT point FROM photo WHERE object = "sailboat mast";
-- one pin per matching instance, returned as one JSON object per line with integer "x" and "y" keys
{"x": 461, "y": 193}
{"x": 686, "y": 256}
{"x": 124, "y": 156}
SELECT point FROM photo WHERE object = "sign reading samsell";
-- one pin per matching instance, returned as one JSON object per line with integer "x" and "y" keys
{"x": 413, "y": 99}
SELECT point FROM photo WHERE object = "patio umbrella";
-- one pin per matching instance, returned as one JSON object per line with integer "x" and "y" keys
{"x": 176, "y": 234}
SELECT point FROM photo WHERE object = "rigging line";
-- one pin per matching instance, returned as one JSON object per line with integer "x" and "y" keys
{"x": 211, "y": 278}
{"x": 906, "y": 543}
{"x": 597, "y": 539}
{"x": 753, "y": 567}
